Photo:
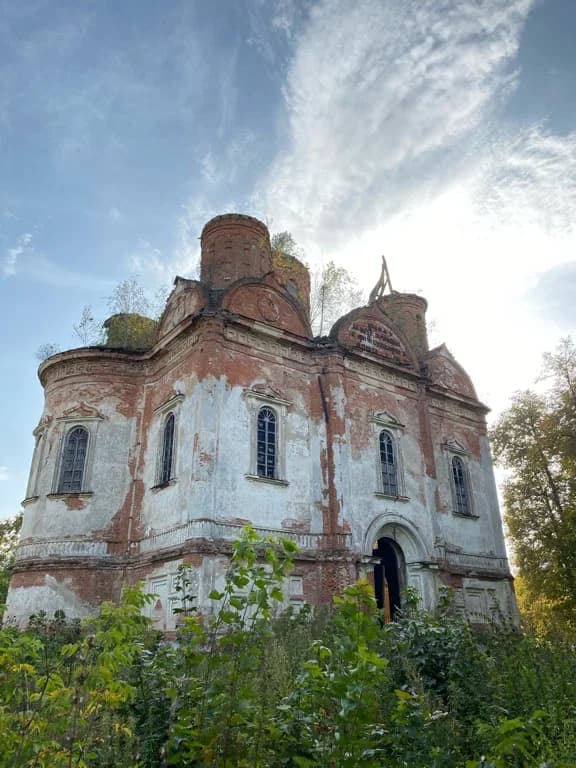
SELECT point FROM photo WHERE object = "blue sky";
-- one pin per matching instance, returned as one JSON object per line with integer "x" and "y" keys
{"x": 440, "y": 132}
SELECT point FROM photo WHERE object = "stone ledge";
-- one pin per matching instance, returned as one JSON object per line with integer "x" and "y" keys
{"x": 382, "y": 495}
{"x": 270, "y": 480}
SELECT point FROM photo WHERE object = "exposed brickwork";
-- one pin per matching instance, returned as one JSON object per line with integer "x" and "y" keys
{"x": 227, "y": 345}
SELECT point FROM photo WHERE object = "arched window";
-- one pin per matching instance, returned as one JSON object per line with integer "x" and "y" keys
{"x": 461, "y": 494}
{"x": 73, "y": 461}
{"x": 388, "y": 464}
{"x": 266, "y": 443}
{"x": 167, "y": 450}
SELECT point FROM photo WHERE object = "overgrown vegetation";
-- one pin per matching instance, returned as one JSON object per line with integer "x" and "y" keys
{"x": 9, "y": 532}
{"x": 334, "y": 291}
{"x": 248, "y": 687}
{"x": 535, "y": 440}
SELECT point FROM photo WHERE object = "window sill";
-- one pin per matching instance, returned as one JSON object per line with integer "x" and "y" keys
{"x": 161, "y": 486}
{"x": 270, "y": 480}
{"x": 466, "y": 516}
{"x": 382, "y": 495}
{"x": 29, "y": 500}
{"x": 68, "y": 494}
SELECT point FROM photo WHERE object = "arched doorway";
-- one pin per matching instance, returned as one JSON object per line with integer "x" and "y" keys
{"x": 389, "y": 576}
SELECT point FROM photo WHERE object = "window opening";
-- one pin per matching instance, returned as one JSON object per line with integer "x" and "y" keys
{"x": 167, "y": 450}
{"x": 460, "y": 486}
{"x": 266, "y": 443}
{"x": 73, "y": 461}
{"x": 388, "y": 464}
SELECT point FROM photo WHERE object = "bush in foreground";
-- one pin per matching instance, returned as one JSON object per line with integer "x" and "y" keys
{"x": 249, "y": 688}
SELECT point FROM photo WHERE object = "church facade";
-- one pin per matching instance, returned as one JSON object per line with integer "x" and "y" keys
{"x": 365, "y": 447}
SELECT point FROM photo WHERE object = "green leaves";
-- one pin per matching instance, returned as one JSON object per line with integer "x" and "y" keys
{"x": 248, "y": 687}
{"x": 535, "y": 440}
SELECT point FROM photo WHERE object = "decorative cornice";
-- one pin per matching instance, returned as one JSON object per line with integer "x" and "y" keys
{"x": 81, "y": 412}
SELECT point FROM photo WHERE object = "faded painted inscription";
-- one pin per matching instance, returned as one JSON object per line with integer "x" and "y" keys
{"x": 378, "y": 339}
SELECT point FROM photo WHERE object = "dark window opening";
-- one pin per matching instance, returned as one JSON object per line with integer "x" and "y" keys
{"x": 73, "y": 461}
{"x": 167, "y": 450}
{"x": 388, "y": 465}
{"x": 266, "y": 443}
{"x": 388, "y": 577}
{"x": 461, "y": 494}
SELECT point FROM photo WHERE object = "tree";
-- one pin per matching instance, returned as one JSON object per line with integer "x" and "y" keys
{"x": 535, "y": 440}
{"x": 9, "y": 532}
{"x": 46, "y": 350}
{"x": 88, "y": 329}
{"x": 334, "y": 292}
{"x": 128, "y": 298}
{"x": 283, "y": 243}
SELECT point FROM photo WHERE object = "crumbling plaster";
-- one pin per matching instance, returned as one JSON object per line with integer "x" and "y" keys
{"x": 223, "y": 349}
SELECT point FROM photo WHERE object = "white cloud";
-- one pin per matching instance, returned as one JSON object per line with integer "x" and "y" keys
{"x": 530, "y": 178}
{"x": 4, "y": 474}
{"x": 223, "y": 167}
{"x": 26, "y": 261}
{"x": 397, "y": 145}
{"x": 10, "y": 263}
{"x": 375, "y": 91}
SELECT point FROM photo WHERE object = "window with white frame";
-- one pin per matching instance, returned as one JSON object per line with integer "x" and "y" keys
{"x": 167, "y": 425}
{"x": 266, "y": 443}
{"x": 73, "y": 462}
{"x": 267, "y": 418}
{"x": 388, "y": 432}
{"x": 388, "y": 464}
{"x": 78, "y": 429}
{"x": 461, "y": 490}
{"x": 167, "y": 463}
{"x": 459, "y": 475}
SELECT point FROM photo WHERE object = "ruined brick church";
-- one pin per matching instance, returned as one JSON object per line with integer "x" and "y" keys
{"x": 365, "y": 447}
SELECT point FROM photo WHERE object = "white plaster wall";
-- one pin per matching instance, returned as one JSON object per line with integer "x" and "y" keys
{"x": 367, "y": 510}
{"x": 480, "y": 533}
{"x": 162, "y": 583}
{"x": 108, "y": 480}
{"x": 52, "y": 596}
{"x": 484, "y": 601}
{"x": 215, "y": 431}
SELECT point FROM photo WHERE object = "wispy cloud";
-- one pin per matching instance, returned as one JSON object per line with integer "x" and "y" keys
{"x": 92, "y": 87}
{"x": 382, "y": 98}
{"x": 25, "y": 260}
{"x": 223, "y": 167}
{"x": 554, "y": 295}
{"x": 4, "y": 474}
{"x": 10, "y": 262}
{"x": 530, "y": 178}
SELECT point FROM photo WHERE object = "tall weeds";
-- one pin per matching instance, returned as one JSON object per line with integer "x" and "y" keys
{"x": 255, "y": 686}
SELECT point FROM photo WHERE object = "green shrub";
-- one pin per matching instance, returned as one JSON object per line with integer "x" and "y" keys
{"x": 256, "y": 687}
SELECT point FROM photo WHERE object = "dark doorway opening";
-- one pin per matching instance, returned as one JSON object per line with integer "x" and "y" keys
{"x": 388, "y": 577}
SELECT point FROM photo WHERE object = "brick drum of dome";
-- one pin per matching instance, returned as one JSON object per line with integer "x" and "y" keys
{"x": 234, "y": 247}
